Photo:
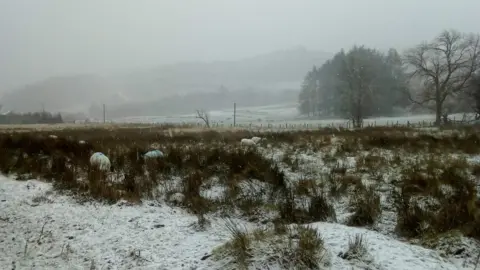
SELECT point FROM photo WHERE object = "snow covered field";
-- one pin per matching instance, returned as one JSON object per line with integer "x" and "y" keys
{"x": 278, "y": 116}
{"x": 42, "y": 230}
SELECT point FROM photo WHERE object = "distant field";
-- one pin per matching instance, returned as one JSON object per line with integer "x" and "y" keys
{"x": 272, "y": 117}
{"x": 282, "y": 116}
{"x": 108, "y": 126}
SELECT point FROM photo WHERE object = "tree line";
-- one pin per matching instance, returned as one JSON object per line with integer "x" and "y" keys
{"x": 441, "y": 75}
{"x": 12, "y": 118}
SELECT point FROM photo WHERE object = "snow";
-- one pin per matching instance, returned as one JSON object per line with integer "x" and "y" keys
{"x": 64, "y": 234}
{"x": 106, "y": 234}
{"x": 279, "y": 116}
{"x": 387, "y": 253}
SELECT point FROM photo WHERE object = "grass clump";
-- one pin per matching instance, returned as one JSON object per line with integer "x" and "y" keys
{"x": 357, "y": 248}
{"x": 438, "y": 199}
{"x": 320, "y": 209}
{"x": 282, "y": 247}
{"x": 366, "y": 208}
{"x": 239, "y": 246}
{"x": 317, "y": 208}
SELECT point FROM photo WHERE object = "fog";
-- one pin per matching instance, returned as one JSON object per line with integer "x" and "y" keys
{"x": 46, "y": 38}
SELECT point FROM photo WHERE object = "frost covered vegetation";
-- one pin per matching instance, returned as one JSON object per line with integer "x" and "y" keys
{"x": 284, "y": 203}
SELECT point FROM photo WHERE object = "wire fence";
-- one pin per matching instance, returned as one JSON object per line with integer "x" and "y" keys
{"x": 291, "y": 125}
{"x": 313, "y": 126}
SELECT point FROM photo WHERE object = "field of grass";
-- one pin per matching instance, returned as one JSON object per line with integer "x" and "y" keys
{"x": 375, "y": 198}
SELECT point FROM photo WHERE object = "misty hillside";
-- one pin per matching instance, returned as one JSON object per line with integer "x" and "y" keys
{"x": 281, "y": 70}
{"x": 67, "y": 93}
{"x": 277, "y": 70}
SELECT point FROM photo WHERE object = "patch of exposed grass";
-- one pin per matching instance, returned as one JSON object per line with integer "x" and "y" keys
{"x": 357, "y": 248}
{"x": 340, "y": 184}
{"x": 448, "y": 183}
{"x": 239, "y": 247}
{"x": 306, "y": 187}
{"x": 320, "y": 209}
{"x": 366, "y": 208}
{"x": 296, "y": 247}
{"x": 371, "y": 163}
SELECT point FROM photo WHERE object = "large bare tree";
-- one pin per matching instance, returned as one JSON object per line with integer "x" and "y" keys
{"x": 445, "y": 66}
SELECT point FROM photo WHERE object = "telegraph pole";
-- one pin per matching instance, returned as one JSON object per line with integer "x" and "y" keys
{"x": 234, "y": 113}
{"x": 104, "y": 113}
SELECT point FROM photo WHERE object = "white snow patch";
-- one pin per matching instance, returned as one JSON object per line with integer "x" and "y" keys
{"x": 387, "y": 252}
{"x": 215, "y": 192}
{"x": 475, "y": 159}
{"x": 113, "y": 236}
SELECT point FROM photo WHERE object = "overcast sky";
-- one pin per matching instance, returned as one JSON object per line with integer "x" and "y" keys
{"x": 42, "y": 38}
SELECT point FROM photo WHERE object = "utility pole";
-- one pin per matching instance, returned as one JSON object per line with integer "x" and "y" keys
{"x": 234, "y": 113}
{"x": 104, "y": 113}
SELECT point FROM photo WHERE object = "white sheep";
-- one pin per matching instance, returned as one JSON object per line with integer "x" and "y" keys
{"x": 247, "y": 142}
{"x": 99, "y": 161}
{"x": 153, "y": 154}
{"x": 82, "y": 142}
{"x": 256, "y": 139}
{"x": 177, "y": 198}
{"x": 53, "y": 137}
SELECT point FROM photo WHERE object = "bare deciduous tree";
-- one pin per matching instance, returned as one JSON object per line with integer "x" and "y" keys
{"x": 202, "y": 114}
{"x": 445, "y": 66}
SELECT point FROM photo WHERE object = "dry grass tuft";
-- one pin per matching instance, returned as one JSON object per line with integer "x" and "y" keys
{"x": 366, "y": 208}
{"x": 357, "y": 249}
{"x": 440, "y": 198}
{"x": 296, "y": 247}
{"x": 239, "y": 246}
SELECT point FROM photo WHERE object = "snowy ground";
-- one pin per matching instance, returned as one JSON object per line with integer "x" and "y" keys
{"x": 42, "y": 230}
{"x": 151, "y": 236}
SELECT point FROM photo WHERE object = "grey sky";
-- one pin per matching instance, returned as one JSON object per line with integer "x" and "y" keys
{"x": 42, "y": 38}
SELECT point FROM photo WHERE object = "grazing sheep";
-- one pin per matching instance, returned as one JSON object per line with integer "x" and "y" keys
{"x": 153, "y": 154}
{"x": 177, "y": 198}
{"x": 247, "y": 142}
{"x": 53, "y": 136}
{"x": 81, "y": 142}
{"x": 99, "y": 161}
{"x": 256, "y": 139}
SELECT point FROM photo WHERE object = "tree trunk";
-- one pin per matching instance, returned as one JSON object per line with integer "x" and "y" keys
{"x": 358, "y": 113}
{"x": 438, "y": 114}
{"x": 438, "y": 109}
